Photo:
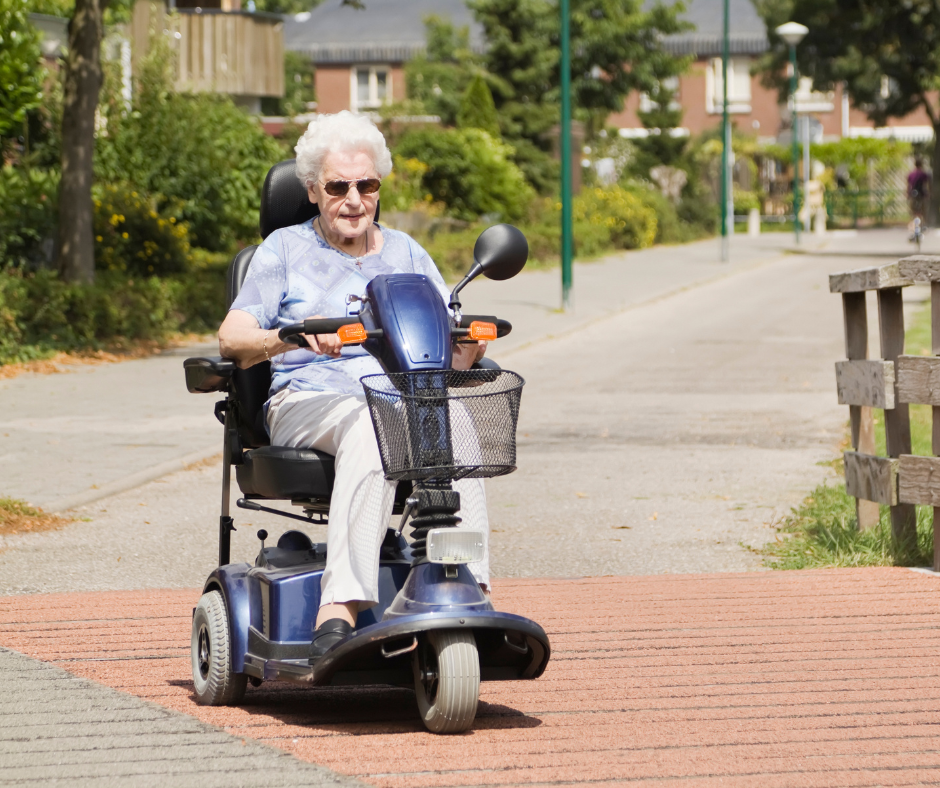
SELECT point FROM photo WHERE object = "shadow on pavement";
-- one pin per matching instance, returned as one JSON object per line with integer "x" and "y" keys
{"x": 370, "y": 709}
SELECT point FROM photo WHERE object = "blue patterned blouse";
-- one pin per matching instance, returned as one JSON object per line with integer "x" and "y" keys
{"x": 295, "y": 274}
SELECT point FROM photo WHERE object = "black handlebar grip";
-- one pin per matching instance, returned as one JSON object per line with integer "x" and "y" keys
{"x": 316, "y": 325}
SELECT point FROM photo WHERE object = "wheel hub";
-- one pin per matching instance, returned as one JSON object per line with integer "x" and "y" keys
{"x": 203, "y": 652}
{"x": 428, "y": 672}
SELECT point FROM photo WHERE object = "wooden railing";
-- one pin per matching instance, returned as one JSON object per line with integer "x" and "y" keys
{"x": 901, "y": 480}
{"x": 235, "y": 52}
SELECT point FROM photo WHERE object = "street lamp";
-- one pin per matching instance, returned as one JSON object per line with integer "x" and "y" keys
{"x": 793, "y": 33}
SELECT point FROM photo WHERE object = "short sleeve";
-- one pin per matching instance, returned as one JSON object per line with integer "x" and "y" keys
{"x": 265, "y": 285}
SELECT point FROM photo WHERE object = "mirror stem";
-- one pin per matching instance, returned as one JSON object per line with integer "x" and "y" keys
{"x": 474, "y": 272}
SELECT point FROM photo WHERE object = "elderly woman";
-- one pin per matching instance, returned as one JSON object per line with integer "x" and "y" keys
{"x": 317, "y": 401}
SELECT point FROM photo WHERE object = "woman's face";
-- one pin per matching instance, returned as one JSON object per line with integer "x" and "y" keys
{"x": 351, "y": 214}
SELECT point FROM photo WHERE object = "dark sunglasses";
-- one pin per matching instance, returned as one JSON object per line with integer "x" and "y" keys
{"x": 341, "y": 188}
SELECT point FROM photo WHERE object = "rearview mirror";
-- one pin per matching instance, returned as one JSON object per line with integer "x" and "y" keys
{"x": 500, "y": 253}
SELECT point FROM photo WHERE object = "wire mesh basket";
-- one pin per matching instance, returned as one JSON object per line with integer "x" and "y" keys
{"x": 445, "y": 424}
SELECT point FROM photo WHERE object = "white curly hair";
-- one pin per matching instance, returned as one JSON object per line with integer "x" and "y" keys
{"x": 343, "y": 131}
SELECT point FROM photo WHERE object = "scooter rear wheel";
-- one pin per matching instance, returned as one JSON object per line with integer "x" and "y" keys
{"x": 214, "y": 681}
{"x": 446, "y": 668}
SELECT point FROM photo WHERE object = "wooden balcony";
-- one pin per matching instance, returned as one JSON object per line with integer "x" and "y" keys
{"x": 234, "y": 52}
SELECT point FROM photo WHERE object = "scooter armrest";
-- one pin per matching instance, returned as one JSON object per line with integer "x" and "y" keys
{"x": 205, "y": 374}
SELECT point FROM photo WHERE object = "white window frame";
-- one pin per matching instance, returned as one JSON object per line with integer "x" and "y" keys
{"x": 670, "y": 83}
{"x": 809, "y": 100}
{"x": 374, "y": 101}
{"x": 739, "y": 100}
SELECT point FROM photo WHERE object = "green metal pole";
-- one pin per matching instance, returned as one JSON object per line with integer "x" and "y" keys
{"x": 794, "y": 118}
{"x": 727, "y": 198}
{"x": 567, "y": 241}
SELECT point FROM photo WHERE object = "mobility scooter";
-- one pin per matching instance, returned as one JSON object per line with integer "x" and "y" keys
{"x": 433, "y": 629}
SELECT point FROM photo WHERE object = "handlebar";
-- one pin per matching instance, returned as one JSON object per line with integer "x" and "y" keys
{"x": 503, "y": 327}
{"x": 316, "y": 325}
{"x": 330, "y": 325}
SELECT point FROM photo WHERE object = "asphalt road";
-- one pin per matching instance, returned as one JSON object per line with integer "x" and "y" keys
{"x": 666, "y": 426}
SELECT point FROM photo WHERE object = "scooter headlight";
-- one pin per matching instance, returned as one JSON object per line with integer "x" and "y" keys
{"x": 454, "y": 546}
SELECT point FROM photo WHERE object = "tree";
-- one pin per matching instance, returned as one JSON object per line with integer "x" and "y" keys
{"x": 615, "y": 47}
{"x": 661, "y": 146}
{"x": 477, "y": 110}
{"x": 438, "y": 77}
{"x": 83, "y": 78}
{"x": 20, "y": 75}
{"x": 886, "y": 53}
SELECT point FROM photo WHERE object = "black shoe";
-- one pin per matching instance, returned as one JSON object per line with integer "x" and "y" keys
{"x": 327, "y": 635}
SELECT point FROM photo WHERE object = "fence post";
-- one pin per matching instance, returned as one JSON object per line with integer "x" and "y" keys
{"x": 865, "y": 384}
{"x": 855, "y": 313}
{"x": 935, "y": 410}
{"x": 898, "y": 419}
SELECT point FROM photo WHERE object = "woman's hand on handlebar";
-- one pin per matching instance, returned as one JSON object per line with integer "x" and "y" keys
{"x": 466, "y": 354}
{"x": 324, "y": 344}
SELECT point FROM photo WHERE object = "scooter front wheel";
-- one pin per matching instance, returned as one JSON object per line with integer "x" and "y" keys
{"x": 446, "y": 668}
{"x": 214, "y": 681}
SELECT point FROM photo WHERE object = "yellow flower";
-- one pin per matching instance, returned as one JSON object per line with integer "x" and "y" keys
{"x": 98, "y": 238}
{"x": 124, "y": 235}
{"x": 172, "y": 220}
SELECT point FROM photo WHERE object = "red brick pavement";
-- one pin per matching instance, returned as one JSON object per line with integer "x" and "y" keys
{"x": 821, "y": 678}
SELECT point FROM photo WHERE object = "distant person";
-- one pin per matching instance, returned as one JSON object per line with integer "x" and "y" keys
{"x": 918, "y": 191}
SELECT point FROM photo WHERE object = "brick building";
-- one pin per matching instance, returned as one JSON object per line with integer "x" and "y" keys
{"x": 359, "y": 57}
{"x": 359, "y": 54}
{"x": 752, "y": 106}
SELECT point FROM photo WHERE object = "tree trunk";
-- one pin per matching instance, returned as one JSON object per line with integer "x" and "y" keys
{"x": 83, "y": 77}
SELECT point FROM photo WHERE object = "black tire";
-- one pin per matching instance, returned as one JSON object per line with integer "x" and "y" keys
{"x": 446, "y": 668}
{"x": 211, "y": 651}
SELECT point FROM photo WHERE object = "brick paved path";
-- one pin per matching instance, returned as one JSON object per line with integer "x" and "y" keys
{"x": 824, "y": 678}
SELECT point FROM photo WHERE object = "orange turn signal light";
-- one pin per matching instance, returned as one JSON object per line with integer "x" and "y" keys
{"x": 481, "y": 330}
{"x": 352, "y": 333}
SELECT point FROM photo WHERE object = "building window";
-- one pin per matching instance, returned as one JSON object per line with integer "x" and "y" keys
{"x": 809, "y": 100}
{"x": 739, "y": 85}
{"x": 672, "y": 85}
{"x": 371, "y": 87}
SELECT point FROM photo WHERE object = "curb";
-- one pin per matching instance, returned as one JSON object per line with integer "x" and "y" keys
{"x": 134, "y": 480}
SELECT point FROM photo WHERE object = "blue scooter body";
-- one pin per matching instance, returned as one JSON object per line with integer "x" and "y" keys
{"x": 273, "y": 604}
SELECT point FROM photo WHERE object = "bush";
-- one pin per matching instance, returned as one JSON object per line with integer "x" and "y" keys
{"x": 403, "y": 189}
{"x": 200, "y": 150}
{"x": 453, "y": 252}
{"x": 132, "y": 237}
{"x": 670, "y": 228}
{"x": 745, "y": 201}
{"x": 28, "y": 200}
{"x": 631, "y": 223}
{"x": 469, "y": 171}
{"x": 39, "y": 313}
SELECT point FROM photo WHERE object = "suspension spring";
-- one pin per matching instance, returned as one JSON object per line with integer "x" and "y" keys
{"x": 437, "y": 507}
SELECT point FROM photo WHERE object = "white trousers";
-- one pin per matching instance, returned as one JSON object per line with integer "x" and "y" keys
{"x": 362, "y": 499}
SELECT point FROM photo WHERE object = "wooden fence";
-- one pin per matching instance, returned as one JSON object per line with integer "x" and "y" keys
{"x": 236, "y": 52}
{"x": 891, "y": 383}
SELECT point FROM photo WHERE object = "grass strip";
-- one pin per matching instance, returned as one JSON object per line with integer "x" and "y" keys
{"x": 823, "y": 532}
{"x": 18, "y": 517}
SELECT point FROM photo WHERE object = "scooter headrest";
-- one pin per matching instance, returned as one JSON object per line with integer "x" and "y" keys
{"x": 284, "y": 199}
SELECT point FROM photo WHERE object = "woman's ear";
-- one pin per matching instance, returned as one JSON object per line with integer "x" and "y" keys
{"x": 312, "y": 194}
